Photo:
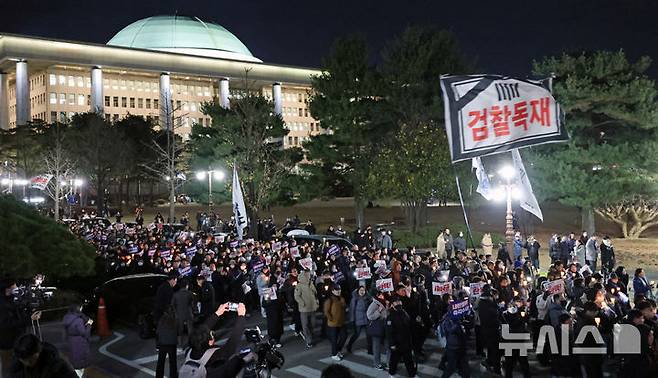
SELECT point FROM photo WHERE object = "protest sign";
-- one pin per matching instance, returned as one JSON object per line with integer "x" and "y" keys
{"x": 379, "y": 263}
{"x": 554, "y": 287}
{"x": 363, "y": 273}
{"x": 276, "y": 247}
{"x": 269, "y": 293}
{"x": 294, "y": 252}
{"x": 440, "y": 288}
{"x": 133, "y": 249}
{"x": 488, "y": 114}
{"x": 476, "y": 289}
{"x": 306, "y": 263}
{"x": 384, "y": 285}
{"x": 459, "y": 308}
{"x": 338, "y": 277}
{"x": 234, "y": 243}
{"x": 333, "y": 250}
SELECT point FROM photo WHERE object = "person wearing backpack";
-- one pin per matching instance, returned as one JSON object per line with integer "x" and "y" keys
{"x": 166, "y": 340}
{"x": 207, "y": 360}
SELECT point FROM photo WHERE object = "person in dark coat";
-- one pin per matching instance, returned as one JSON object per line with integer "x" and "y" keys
{"x": 163, "y": 296}
{"x": 400, "y": 343}
{"x": 36, "y": 359}
{"x": 274, "y": 311}
{"x": 503, "y": 255}
{"x": 456, "y": 358}
{"x": 166, "y": 340}
{"x": 532, "y": 246}
{"x": 205, "y": 296}
{"x": 78, "y": 331}
{"x": 183, "y": 303}
{"x": 607, "y": 254}
{"x": 13, "y": 322}
{"x": 489, "y": 327}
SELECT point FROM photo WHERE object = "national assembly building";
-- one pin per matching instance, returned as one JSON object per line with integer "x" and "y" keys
{"x": 154, "y": 67}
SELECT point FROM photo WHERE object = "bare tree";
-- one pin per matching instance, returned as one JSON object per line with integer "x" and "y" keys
{"x": 57, "y": 162}
{"x": 633, "y": 216}
{"x": 167, "y": 150}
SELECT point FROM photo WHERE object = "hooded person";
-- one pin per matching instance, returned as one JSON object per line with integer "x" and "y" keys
{"x": 77, "y": 327}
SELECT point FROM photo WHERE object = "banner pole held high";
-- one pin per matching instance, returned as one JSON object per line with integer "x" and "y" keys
{"x": 461, "y": 201}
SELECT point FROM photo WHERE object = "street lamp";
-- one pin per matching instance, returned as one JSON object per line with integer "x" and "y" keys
{"x": 507, "y": 173}
{"x": 210, "y": 174}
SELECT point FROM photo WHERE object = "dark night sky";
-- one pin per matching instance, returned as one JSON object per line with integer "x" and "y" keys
{"x": 504, "y": 36}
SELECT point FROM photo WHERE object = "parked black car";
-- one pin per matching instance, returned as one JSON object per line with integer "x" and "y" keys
{"x": 127, "y": 297}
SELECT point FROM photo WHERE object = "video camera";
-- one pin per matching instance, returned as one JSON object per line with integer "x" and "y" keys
{"x": 32, "y": 296}
{"x": 267, "y": 355}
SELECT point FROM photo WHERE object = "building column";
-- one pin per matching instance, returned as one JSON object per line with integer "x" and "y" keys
{"x": 4, "y": 106}
{"x": 276, "y": 98}
{"x": 224, "y": 101}
{"x": 22, "y": 93}
{"x": 166, "y": 112}
{"x": 97, "y": 99}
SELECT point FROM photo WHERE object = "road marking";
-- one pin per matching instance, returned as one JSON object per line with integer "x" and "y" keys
{"x": 149, "y": 359}
{"x": 119, "y": 336}
{"x": 305, "y": 371}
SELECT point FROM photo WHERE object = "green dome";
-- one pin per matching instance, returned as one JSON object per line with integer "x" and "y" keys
{"x": 182, "y": 34}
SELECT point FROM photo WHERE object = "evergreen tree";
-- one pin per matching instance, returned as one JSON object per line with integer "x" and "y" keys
{"x": 611, "y": 115}
{"x": 248, "y": 134}
{"x": 346, "y": 102}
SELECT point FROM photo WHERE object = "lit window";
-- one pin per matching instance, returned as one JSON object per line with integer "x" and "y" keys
{"x": 53, "y": 79}
{"x": 199, "y": 91}
{"x": 71, "y": 98}
{"x": 53, "y": 98}
{"x": 186, "y": 106}
{"x": 139, "y": 86}
{"x": 193, "y": 106}
{"x": 71, "y": 81}
{"x": 88, "y": 81}
{"x": 115, "y": 84}
{"x": 206, "y": 91}
{"x": 81, "y": 99}
{"x": 131, "y": 85}
{"x": 62, "y": 98}
{"x": 106, "y": 83}
{"x": 123, "y": 85}
{"x": 183, "y": 89}
{"x": 154, "y": 86}
{"x": 81, "y": 81}
{"x": 62, "y": 80}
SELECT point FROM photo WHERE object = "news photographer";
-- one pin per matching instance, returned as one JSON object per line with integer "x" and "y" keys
{"x": 14, "y": 319}
{"x": 218, "y": 361}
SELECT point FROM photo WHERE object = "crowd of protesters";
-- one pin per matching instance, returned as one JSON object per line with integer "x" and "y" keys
{"x": 396, "y": 297}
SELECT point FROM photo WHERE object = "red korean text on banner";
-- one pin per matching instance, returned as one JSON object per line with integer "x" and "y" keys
{"x": 306, "y": 263}
{"x": 363, "y": 273}
{"x": 384, "y": 285}
{"x": 440, "y": 288}
{"x": 476, "y": 289}
{"x": 554, "y": 287}
{"x": 488, "y": 114}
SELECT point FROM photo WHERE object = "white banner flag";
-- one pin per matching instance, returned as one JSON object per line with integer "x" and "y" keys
{"x": 528, "y": 201}
{"x": 40, "y": 182}
{"x": 239, "y": 210}
{"x": 484, "y": 186}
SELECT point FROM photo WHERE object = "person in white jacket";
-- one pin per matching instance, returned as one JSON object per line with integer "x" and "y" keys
{"x": 592, "y": 252}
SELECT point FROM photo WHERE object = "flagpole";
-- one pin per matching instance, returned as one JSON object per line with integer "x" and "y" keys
{"x": 461, "y": 201}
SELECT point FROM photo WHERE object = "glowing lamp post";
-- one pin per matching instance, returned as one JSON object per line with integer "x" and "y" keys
{"x": 507, "y": 173}
{"x": 210, "y": 174}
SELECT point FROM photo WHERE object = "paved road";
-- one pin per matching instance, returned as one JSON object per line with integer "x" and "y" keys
{"x": 124, "y": 354}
